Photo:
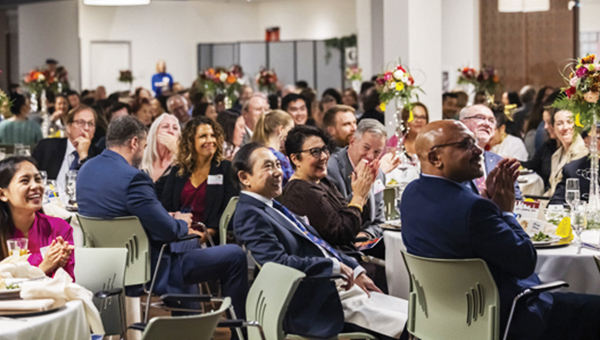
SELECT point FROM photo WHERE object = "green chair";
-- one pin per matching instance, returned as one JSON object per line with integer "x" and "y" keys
{"x": 597, "y": 260}
{"x": 225, "y": 218}
{"x": 102, "y": 271}
{"x": 389, "y": 200}
{"x": 195, "y": 327}
{"x": 457, "y": 299}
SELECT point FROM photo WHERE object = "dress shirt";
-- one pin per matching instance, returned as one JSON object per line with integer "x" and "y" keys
{"x": 61, "y": 179}
{"x": 248, "y": 132}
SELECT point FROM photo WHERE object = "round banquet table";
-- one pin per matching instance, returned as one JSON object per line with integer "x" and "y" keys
{"x": 68, "y": 322}
{"x": 531, "y": 184}
{"x": 579, "y": 270}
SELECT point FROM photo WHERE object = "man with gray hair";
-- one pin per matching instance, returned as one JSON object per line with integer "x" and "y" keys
{"x": 177, "y": 105}
{"x": 366, "y": 145}
{"x": 252, "y": 109}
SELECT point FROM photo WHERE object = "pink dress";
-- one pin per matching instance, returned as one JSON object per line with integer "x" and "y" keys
{"x": 45, "y": 229}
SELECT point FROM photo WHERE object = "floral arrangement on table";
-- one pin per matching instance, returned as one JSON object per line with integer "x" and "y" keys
{"x": 218, "y": 80}
{"x": 267, "y": 80}
{"x": 485, "y": 80}
{"x": 354, "y": 73}
{"x": 4, "y": 103}
{"x": 125, "y": 76}
{"x": 38, "y": 80}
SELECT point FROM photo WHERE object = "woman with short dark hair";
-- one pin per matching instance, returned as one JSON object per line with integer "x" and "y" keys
{"x": 18, "y": 129}
{"x": 233, "y": 125}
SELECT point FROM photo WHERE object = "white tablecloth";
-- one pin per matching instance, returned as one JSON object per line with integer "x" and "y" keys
{"x": 531, "y": 184}
{"x": 66, "y": 323}
{"x": 579, "y": 270}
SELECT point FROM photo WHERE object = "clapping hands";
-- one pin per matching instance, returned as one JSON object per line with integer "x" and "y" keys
{"x": 500, "y": 184}
{"x": 57, "y": 255}
{"x": 363, "y": 178}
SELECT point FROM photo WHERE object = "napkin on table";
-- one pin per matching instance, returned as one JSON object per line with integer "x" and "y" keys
{"x": 13, "y": 267}
{"x": 39, "y": 305}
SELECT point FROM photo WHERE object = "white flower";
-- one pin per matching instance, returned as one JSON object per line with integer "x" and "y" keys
{"x": 41, "y": 77}
{"x": 223, "y": 77}
{"x": 405, "y": 80}
{"x": 241, "y": 81}
{"x": 398, "y": 74}
{"x": 393, "y": 85}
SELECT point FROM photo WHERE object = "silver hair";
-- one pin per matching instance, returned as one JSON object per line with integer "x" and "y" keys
{"x": 151, "y": 151}
{"x": 172, "y": 98}
{"x": 371, "y": 126}
{"x": 467, "y": 110}
{"x": 246, "y": 105}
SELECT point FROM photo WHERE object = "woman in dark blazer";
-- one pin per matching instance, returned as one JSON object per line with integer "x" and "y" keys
{"x": 199, "y": 182}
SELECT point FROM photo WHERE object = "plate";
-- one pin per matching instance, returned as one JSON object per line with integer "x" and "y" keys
{"x": 10, "y": 294}
{"x": 23, "y": 314}
{"x": 391, "y": 225}
{"x": 553, "y": 239}
{"x": 556, "y": 244}
{"x": 525, "y": 172}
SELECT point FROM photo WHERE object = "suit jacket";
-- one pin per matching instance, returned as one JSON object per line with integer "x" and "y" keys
{"x": 571, "y": 170}
{"x": 491, "y": 160}
{"x": 315, "y": 309}
{"x": 50, "y": 153}
{"x": 441, "y": 219}
{"x": 218, "y": 195}
{"x": 339, "y": 171}
{"x": 108, "y": 187}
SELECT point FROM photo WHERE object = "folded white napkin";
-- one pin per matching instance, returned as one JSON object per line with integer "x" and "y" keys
{"x": 39, "y": 305}
{"x": 62, "y": 289}
{"x": 17, "y": 267}
{"x": 56, "y": 209}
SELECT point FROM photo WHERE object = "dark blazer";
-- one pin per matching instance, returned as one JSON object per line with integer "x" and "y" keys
{"x": 217, "y": 195}
{"x": 442, "y": 219}
{"x": 50, "y": 153}
{"x": 491, "y": 160}
{"x": 339, "y": 171}
{"x": 315, "y": 309}
{"x": 573, "y": 170}
{"x": 108, "y": 187}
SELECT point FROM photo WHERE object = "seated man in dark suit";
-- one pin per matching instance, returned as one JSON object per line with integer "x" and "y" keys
{"x": 441, "y": 218}
{"x": 273, "y": 234}
{"x": 57, "y": 156}
{"x": 576, "y": 169}
{"x": 111, "y": 186}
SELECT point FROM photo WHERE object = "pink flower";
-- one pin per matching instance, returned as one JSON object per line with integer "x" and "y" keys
{"x": 591, "y": 97}
{"x": 388, "y": 76}
{"x": 582, "y": 71}
{"x": 573, "y": 81}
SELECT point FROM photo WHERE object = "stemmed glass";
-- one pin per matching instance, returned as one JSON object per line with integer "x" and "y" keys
{"x": 572, "y": 196}
{"x": 578, "y": 219}
{"x": 44, "y": 177}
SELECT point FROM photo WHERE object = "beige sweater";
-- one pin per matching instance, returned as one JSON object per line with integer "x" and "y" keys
{"x": 561, "y": 157}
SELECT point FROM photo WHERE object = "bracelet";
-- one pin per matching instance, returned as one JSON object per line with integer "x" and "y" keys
{"x": 356, "y": 206}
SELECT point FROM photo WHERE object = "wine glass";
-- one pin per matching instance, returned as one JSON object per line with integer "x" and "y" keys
{"x": 572, "y": 192}
{"x": 578, "y": 219}
{"x": 44, "y": 177}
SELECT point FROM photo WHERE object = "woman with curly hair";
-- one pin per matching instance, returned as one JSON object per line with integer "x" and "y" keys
{"x": 199, "y": 182}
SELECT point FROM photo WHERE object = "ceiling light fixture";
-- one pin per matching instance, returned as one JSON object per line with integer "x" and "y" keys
{"x": 116, "y": 2}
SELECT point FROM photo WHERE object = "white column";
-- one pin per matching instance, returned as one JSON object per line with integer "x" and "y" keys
{"x": 369, "y": 33}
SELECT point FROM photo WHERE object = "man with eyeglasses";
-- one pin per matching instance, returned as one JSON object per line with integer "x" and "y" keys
{"x": 482, "y": 122}
{"x": 444, "y": 220}
{"x": 57, "y": 156}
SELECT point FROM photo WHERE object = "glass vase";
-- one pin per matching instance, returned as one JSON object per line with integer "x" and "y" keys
{"x": 593, "y": 211}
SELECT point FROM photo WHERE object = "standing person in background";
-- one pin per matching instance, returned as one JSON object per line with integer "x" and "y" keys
{"x": 162, "y": 82}
{"x": 19, "y": 129}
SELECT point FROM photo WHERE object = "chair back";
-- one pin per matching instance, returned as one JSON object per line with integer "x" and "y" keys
{"x": 269, "y": 298}
{"x": 452, "y": 299}
{"x": 225, "y": 218}
{"x": 121, "y": 232}
{"x": 597, "y": 260}
{"x": 99, "y": 269}
{"x": 194, "y": 327}
{"x": 8, "y": 148}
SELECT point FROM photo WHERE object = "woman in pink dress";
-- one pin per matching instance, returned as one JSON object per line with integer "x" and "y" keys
{"x": 21, "y": 195}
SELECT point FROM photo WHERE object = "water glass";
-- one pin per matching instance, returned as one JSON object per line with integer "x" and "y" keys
{"x": 71, "y": 188}
{"x": 2, "y": 153}
{"x": 25, "y": 150}
{"x": 578, "y": 219}
{"x": 17, "y": 246}
{"x": 44, "y": 177}
{"x": 572, "y": 196}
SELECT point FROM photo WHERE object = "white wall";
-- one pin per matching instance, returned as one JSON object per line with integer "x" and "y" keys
{"x": 588, "y": 16}
{"x": 49, "y": 30}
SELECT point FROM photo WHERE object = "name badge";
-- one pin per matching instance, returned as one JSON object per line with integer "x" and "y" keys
{"x": 215, "y": 180}
{"x": 378, "y": 186}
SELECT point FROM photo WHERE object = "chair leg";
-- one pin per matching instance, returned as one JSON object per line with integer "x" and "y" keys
{"x": 512, "y": 310}
{"x": 133, "y": 314}
{"x": 162, "y": 250}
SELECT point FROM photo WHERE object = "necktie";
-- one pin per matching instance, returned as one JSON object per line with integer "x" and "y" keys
{"x": 75, "y": 162}
{"x": 316, "y": 240}
{"x": 480, "y": 184}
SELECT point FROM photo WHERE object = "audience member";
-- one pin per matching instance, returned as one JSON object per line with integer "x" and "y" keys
{"x": 101, "y": 194}
{"x": 340, "y": 123}
{"x": 162, "y": 82}
{"x": 233, "y": 125}
{"x": 73, "y": 98}
{"x": 220, "y": 102}
{"x": 50, "y": 102}
{"x": 157, "y": 108}
{"x": 61, "y": 108}
{"x": 511, "y": 99}
{"x": 141, "y": 109}
{"x": 19, "y": 129}
{"x": 546, "y": 95}
{"x": 255, "y": 107}
{"x": 450, "y": 105}
{"x": 200, "y": 181}
{"x": 141, "y": 92}
{"x": 527, "y": 96}
{"x": 506, "y": 145}
{"x": 315, "y": 117}
{"x": 333, "y": 93}
{"x": 350, "y": 98}
{"x": 245, "y": 94}
{"x": 459, "y": 225}
{"x": 100, "y": 94}
{"x": 177, "y": 106}
{"x": 206, "y": 110}
{"x": 162, "y": 146}
{"x": 273, "y": 234}
{"x": 21, "y": 198}
{"x": 287, "y": 89}
{"x": 372, "y": 106}
{"x": 462, "y": 99}
{"x": 296, "y": 106}
{"x": 271, "y": 130}
{"x": 57, "y": 156}
{"x": 115, "y": 110}
{"x": 570, "y": 145}
{"x": 274, "y": 102}
{"x": 419, "y": 120}
{"x": 366, "y": 146}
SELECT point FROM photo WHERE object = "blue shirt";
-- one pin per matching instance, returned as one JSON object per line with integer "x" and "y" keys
{"x": 286, "y": 167}
{"x": 161, "y": 82}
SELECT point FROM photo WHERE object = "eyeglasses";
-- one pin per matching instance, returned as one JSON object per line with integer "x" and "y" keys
{"x": 316, "y": 152}
{"x": 466, "y": 144}
{"x": 82, "y": 124}
{"x": 482, "y": 118}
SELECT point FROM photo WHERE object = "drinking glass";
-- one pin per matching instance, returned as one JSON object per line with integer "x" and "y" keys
{"x": 17, "y": 149}
{"x": 572, "y": 192}
{"x": 71, "y": 188}
{"x": 2, "y": 153}
{"x": 24, "y": 150}
{"x": 17, "y": 246}
{"x": 578, "y": 219}
{"x": 44, "y": 177}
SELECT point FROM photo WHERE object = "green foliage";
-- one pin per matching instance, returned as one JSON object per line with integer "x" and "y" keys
{"x": 340, "y": 44}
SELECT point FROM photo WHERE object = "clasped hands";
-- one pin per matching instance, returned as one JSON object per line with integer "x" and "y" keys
{"x": 187, "y": 217}
{"x": 363, "y": 281}
{"x": 500, "y": 184}
{"x": 57, "y": 255}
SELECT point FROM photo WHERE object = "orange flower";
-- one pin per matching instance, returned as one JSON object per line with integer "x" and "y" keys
{"x": 588, "y": 59}
{"x": 231, "y": 79}
{"x": 496, "y": 78}
{"x": 211, "y": 71}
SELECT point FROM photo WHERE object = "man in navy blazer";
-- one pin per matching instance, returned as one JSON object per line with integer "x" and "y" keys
{"x": 111, "y": 186}
{"x": 273, "y": 234}
{"x": 443, "y": 219}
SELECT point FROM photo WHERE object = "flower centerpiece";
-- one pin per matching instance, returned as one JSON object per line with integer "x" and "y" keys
{"x": 38, "y": 80}
{"x": 4, "y": 103}
{"x": 266, "y": 80}
{"x": 485, "y": 80}
{"x": 354, "y": 75}
{"x": 399, "y": 84}
{"x": 580, "y": 97}
{"x": 219, "y": 80}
